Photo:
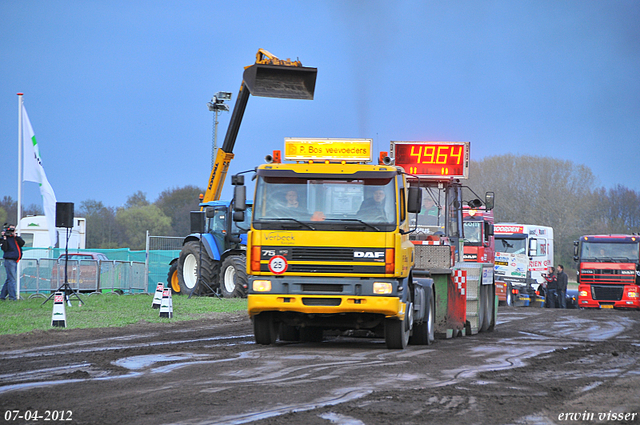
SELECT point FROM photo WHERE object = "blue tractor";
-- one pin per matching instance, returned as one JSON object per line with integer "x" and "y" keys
{"x": 213, "y": 260}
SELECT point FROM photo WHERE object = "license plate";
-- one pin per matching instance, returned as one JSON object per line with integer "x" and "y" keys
{"x": 606, "y": 306}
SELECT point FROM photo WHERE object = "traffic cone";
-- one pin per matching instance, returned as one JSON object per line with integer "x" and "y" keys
{"x": 166, "y": 308}
{"x": 59, "y": 316}
{"x": 157, "y": 297}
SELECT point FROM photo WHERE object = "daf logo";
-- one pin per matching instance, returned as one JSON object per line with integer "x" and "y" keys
{"x": 368, "y": 254}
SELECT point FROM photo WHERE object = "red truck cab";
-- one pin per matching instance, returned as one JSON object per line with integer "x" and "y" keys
{"x": 608, "y": 271}
{"x": 479, "y": 243}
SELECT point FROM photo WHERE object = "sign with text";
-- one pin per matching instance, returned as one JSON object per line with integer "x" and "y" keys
{"x": 349, "y": 150}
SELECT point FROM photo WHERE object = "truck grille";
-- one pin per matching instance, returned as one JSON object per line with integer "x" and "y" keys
{"x": 595, "y": 276}
{"x": 321, "y": 254}
{"x": 347, "y": 260}
{"x": 312, "y": 287}
{"x": 330, "y": 302}
{"x": 607, "y": 293}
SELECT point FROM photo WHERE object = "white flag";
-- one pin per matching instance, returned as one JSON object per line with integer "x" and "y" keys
{"x": 33, "y": 172}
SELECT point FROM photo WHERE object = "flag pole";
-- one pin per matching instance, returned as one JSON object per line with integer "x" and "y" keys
{"x": 19, "y": 209}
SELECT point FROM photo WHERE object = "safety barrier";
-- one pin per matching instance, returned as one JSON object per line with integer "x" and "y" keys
{"x": 44, "y": 275}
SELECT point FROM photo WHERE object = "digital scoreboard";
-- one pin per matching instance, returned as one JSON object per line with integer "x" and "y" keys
{"x": 441, "y": 160}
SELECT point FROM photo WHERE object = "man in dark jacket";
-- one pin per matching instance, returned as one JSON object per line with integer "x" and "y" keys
{"x": 563, "y": 279}
{"x": 552, "y": 288}
{"x": 372, "y": 209}
{"x": 12, "y": 247}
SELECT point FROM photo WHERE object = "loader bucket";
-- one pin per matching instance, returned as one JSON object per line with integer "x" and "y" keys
{"x": 287, "y": 82}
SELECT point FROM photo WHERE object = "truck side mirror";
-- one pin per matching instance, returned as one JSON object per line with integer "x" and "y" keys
{"x": 575, "y": 250}
{"x": 414, "y": 204}
{"x": 237, "y": 180}
{"x": 210, "y": 212}
{"x": 489, "y": 200}
{"x": 240, "y": 197}
{"x": 238, "y": 216}
{"x": 197, "y": 221}
{"x": 533, "y": 247}
{"x": 488, "y": 229}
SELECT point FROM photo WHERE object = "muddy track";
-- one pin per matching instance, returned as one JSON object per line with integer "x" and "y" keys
{"x": 537, "y": 365}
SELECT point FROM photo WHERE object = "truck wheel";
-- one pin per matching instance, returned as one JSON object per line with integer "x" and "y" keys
{"x": 311, "y": 334}
{"x": 424, "y": 333}
{"x": 264, "y": 329}
{"x": 289, "y": 333}
{"x": 482, "y": 307}
{"x": 397, "y": 332}
{"x": 488, "y": 310}
{"x": 172, "y": 279}
{"x": 233, "y": 277}
{"x": 188, "y": 269}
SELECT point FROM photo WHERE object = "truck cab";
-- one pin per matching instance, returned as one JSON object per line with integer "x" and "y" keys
{"x": 524, "y": 252}
{"x": 608, "y": 271}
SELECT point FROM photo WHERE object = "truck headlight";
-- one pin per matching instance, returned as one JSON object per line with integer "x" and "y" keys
{"x": 382, "y": 288}
{"x": 631, "y": 294}
{"x": 584, "y": 293}
{"x": 261, "y": 285}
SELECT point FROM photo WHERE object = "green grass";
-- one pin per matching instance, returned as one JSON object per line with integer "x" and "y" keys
{"x": 108, "y": 310}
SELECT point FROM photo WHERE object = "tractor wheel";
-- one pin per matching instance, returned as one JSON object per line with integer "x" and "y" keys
{"x": 172, "y": 279}
{"x": 233, "y": 277}
{"x": 188, "y": 269}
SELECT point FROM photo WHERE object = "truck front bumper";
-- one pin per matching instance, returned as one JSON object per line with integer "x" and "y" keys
{"x": 325, "y": 295}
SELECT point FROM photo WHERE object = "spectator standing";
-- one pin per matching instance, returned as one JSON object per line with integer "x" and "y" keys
{"x": 552, "y": 287}
{"x": 12, "y": 246}
{"x": 563, "y": 279}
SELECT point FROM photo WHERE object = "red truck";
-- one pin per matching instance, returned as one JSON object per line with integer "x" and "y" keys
{"x": 479, "y": 244}
{"x": 608, "y": 271}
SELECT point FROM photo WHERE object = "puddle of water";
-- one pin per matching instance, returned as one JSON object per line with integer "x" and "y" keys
{"x": 336, "y": 418}
{"x": 282, "y": 410}
{"x": 591, "y": 386}
{"x": 143, "y": 362}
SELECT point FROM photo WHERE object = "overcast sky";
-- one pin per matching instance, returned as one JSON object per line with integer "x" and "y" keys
{"x": 116, "y": 91}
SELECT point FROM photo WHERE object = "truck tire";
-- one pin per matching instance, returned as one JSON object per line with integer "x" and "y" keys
{"x": 311, "y": 334}
{"x": 289, "y": 333}
{"x": 264, "y": 329}
{"x": 233, "y": 277}
{"x": 188, "y": 268}
{"x": 488, "y": 308}
{"x": 424, "y": 333}
{"x": 172, "y": 279}
{"x": 397, "y": 332}
{"x": 482, "y": 307}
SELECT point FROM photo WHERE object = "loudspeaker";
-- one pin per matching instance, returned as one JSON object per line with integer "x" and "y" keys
{"x": 197, "y": 221}
{"x": 64, "y": 214}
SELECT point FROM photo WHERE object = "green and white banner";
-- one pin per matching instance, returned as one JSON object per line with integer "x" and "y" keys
{"x": 34, "y": 172}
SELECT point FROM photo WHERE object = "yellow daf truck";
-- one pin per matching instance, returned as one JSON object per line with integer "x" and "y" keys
{"x": 329, "y": 246}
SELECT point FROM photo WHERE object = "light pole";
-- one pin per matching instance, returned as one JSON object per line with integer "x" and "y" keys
{"x": 216, "y": 105}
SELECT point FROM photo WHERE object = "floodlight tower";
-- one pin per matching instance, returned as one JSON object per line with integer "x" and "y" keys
{"x": 216, "y": 105}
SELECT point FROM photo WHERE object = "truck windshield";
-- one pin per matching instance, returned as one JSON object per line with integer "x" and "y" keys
{"x": 511, "y": 246}
{"x": 473, "y": 233}
{"x": 608, "y": 251}
{"x": 299, "y": 200}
